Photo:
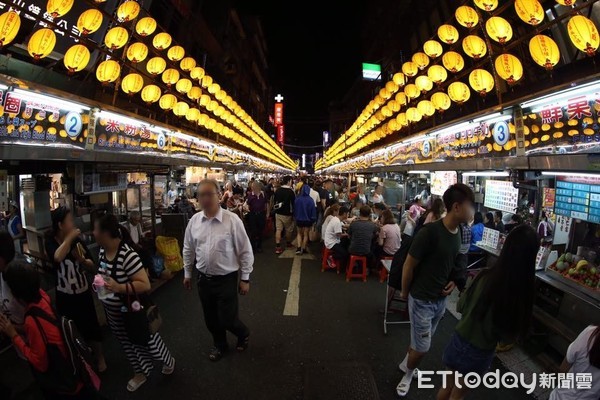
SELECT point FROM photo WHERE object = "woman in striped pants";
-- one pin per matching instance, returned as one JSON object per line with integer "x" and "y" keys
{"x": 122, "y": 266}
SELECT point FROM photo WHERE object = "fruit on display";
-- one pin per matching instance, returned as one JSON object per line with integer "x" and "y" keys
{"x": 578, "y": 269}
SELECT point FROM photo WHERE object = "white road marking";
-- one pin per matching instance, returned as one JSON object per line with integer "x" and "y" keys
{"x": 292, "y": 300}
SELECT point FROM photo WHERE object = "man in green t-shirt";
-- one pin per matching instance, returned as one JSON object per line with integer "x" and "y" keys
{"x": 426, "y": 276}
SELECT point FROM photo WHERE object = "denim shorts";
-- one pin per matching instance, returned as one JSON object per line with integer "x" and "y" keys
{"x": 424, "y": 318}
{"x": 463, "y": 357}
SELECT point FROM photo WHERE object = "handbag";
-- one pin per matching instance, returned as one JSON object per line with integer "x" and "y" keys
{"x": 135, "y": 318}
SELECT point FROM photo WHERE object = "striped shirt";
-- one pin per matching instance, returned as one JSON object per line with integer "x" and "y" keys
{"x": 127, "y": 264}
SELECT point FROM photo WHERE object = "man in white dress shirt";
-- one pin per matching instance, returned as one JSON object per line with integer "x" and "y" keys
{"x": 217, "y": 240}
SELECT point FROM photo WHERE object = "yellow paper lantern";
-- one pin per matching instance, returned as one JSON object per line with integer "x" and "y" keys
{"x": 220, "y": 95}
{"x": 453, "y": 61}
{"x": 426, "y": 108}
{"x": 424, "y": 83}
{"x": 156, "y": 66}
{"x": 214, "y": 88}
{"x": 10, "y": 23}
{"x": 58, "y": 8}
{"x": 433, "y": 48}
{"x": 204, "y": 100}
{"x": 183, "y": 85}
{"x": 194, "y": 93}
{"x": 499, "y": 29}
{"x": 193, "y": 114}
{"x": 402, "y": 120}
{"x": 197, "y": 73}
{"x": 386, "y": 111}
{"x": 459, "y": 92}
{"x": 466, "y": 16}
{"x": 509, "y": 68}
{"x": 207, "y": 80}
{"x": 437, "y": 74}
{"x": 137, "y": 52}
{"x": 401, "y": 98}
{"x": 170, "y": 76}
{"x": 474, "y": 46}
{"x": 421, "y": 59}
{"x": 584, "y": 34}
{"x": 203, "y": 119}
{"x": 162, "y": 41}
{"x": 128, "y": 11}
{"x": 410, "y": 69}
{"x": 151, "y": 94}
{"x": 412, "y": 91}
{"x": 487, "y": 5}
{"x": 440, "y": 101}
{"x": 116, "y": 38}
{"x": 89, "y": 21}
{"x": 187, "y": 64}
{"x": 448, "y": 34}
{"x": 145, "y": 26}
{"x": 530, "y": 11}
{"x": 392, "y": 126}
{"x": 394, "y": 106}
{"x": 544, "y": 51}
{"x": 384, "y": 94}
{"x": 567, "y": 3}
{"x": 413, "y": 115}
{"x": 167, "y": 102}
{"x": 76, "y": 58}
{"x": 176, "y": 53}
{"x": 481, "y": 81}
{"x": 108, "y": 71}
{"x": 41, "y": 43}
{"x": 132, "y": 83}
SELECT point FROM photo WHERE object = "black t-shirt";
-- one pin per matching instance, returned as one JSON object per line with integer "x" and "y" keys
{"x": 70, "y": 274}
{"x": 284, "y": 201}
{"x": 326, "y": 195}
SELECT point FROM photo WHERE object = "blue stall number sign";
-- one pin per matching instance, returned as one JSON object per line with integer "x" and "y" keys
{"x": 161, "y": 140}
{"x": 501, "y": 133}
{"x": 73, "y": 124}
{"x": 426, "y": 150}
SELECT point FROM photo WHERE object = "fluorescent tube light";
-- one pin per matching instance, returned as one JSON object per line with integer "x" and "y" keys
{"x": 487, "y": 173}
{"x": 120, "y": 118}
{"x": 417, "y": 172}
{"x": 575, "y": 174}
{"x": 49, "y": 100}
{"x": 563, "y": 95}
{"x": 452, "y": 129}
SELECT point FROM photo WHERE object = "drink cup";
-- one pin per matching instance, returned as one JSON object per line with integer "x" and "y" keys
{"x": 99, "y": 286}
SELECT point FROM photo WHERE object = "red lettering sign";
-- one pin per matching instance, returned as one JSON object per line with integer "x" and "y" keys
{"x": 280, "y": 135}
{"x": 278, "y": 114}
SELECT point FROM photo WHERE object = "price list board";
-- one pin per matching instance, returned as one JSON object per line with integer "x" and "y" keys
{"x": 501, "y": 195}
{"x": 578, "y": 198}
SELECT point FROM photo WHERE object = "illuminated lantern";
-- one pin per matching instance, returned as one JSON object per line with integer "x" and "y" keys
{"x": 128, "y": 11}
{"x": 41, "y": 43}
{"x": 421, "y": 59}
{"x": 212, "y": 106}
{"x": 448, "y": 34}
{"x": 481, "y": 81}
{"x": 194, "y": 93}
{"x": 544, "y": 51}
{"x": 187, "y": 64}
{"x": 401, "y": 98}
{"x": 530, "y": 11}
{"x": 137, "y": 52}
{"x": 440, "y": 101}
{"x": 392, "y": 126}
{"x": 197, "y": 73}
{"x": 58, "y": 8}
{"x": 170, "y": 76}
{"x": 76, "y": 58}
{"x": 385, "y": 94}
{"x": 167, "y": 102}
{"x": 132, "y": 84}
{"x": 566, "y": 2}
{"x": 176, "y": 53}
{"x": 402, "y": 120}
{"x": 584, "y": 34}
{"x": 386, "y": 111}
{"x": 437, "y": 74}
{"x": 394, "y": 106}
{"x": 203, "y": 119}
{"x": 509, "y": 68}
{"x": 89, "y": 21}
{"x": 162, "y": 41}
{"x": 424, "y": 83}
{"x": 412, "y": 91}
{"x": 204, "y": 100}
{"x": 116, "y": 38}
{"x": 145, "y": 26}
{"x": 207, "y": 80}
{"x": 426, "y": 108}
{"x": 108, "y": 71}
{"x": 214, "y": 88}
{"x": 10, "y": 23}
{"x": 474, "y": 46}
{"x": 193, "y": 114}
{"x": 433, "y": 48}
{"x": 413, "y": 115}
{"x": 183, "y": 86}
{"x": 156, "y": 66}
{"x": 459, "y": 92}
{"x": 499, "y": 29}
{"x": 487, "y": 5}
{"x": 151, "y": 94}
{"x": 220, "y": 95}
{"x": 466, "y": 16}
{"x": 410, "y": 69}
{"x": 453, "y": 61}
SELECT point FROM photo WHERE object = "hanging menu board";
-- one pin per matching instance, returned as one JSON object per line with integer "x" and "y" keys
{"x": 578, "y": 197}
{"x": 442, "y": 180}
{"x": 501, "y": 195}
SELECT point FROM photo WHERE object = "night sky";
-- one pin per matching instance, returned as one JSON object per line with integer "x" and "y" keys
{"x": 314, "y": 58}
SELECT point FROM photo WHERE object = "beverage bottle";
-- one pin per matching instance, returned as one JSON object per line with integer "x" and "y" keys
{"x": 99, "y": 284}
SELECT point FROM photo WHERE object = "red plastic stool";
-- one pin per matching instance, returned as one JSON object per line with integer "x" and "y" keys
{"x": 324, "y": 256}
{"x": 350, "y": 270}
{"x": 383, "y": 274}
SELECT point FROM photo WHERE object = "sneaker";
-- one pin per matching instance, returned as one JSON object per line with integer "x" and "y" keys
{"x": 166, "y": 370}
{"x": 278, "y": 250}
{"x": 298, "y": 251}
{"x": 331, "y": 262}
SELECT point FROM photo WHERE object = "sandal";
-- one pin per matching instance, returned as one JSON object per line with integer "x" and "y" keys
{"x": 215, "y": 354}
{"x": 403, "y": 386}
{"x": 243, "y": 343}
{"x": 135, "y": 383}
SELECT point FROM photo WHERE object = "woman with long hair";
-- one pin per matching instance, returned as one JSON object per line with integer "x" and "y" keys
{"x": 389, "y": 234}
{"x": 330, "y": 212}
{"x": 488, "y": 221}
{"x": 436, "y": 212}
{"x": 496, "y": 308}
{"x": 72, "y": 260}
{"x": 124, "y": 273}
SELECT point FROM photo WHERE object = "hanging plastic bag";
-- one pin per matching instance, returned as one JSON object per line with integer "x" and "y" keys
{"x": 168, "y": 248}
